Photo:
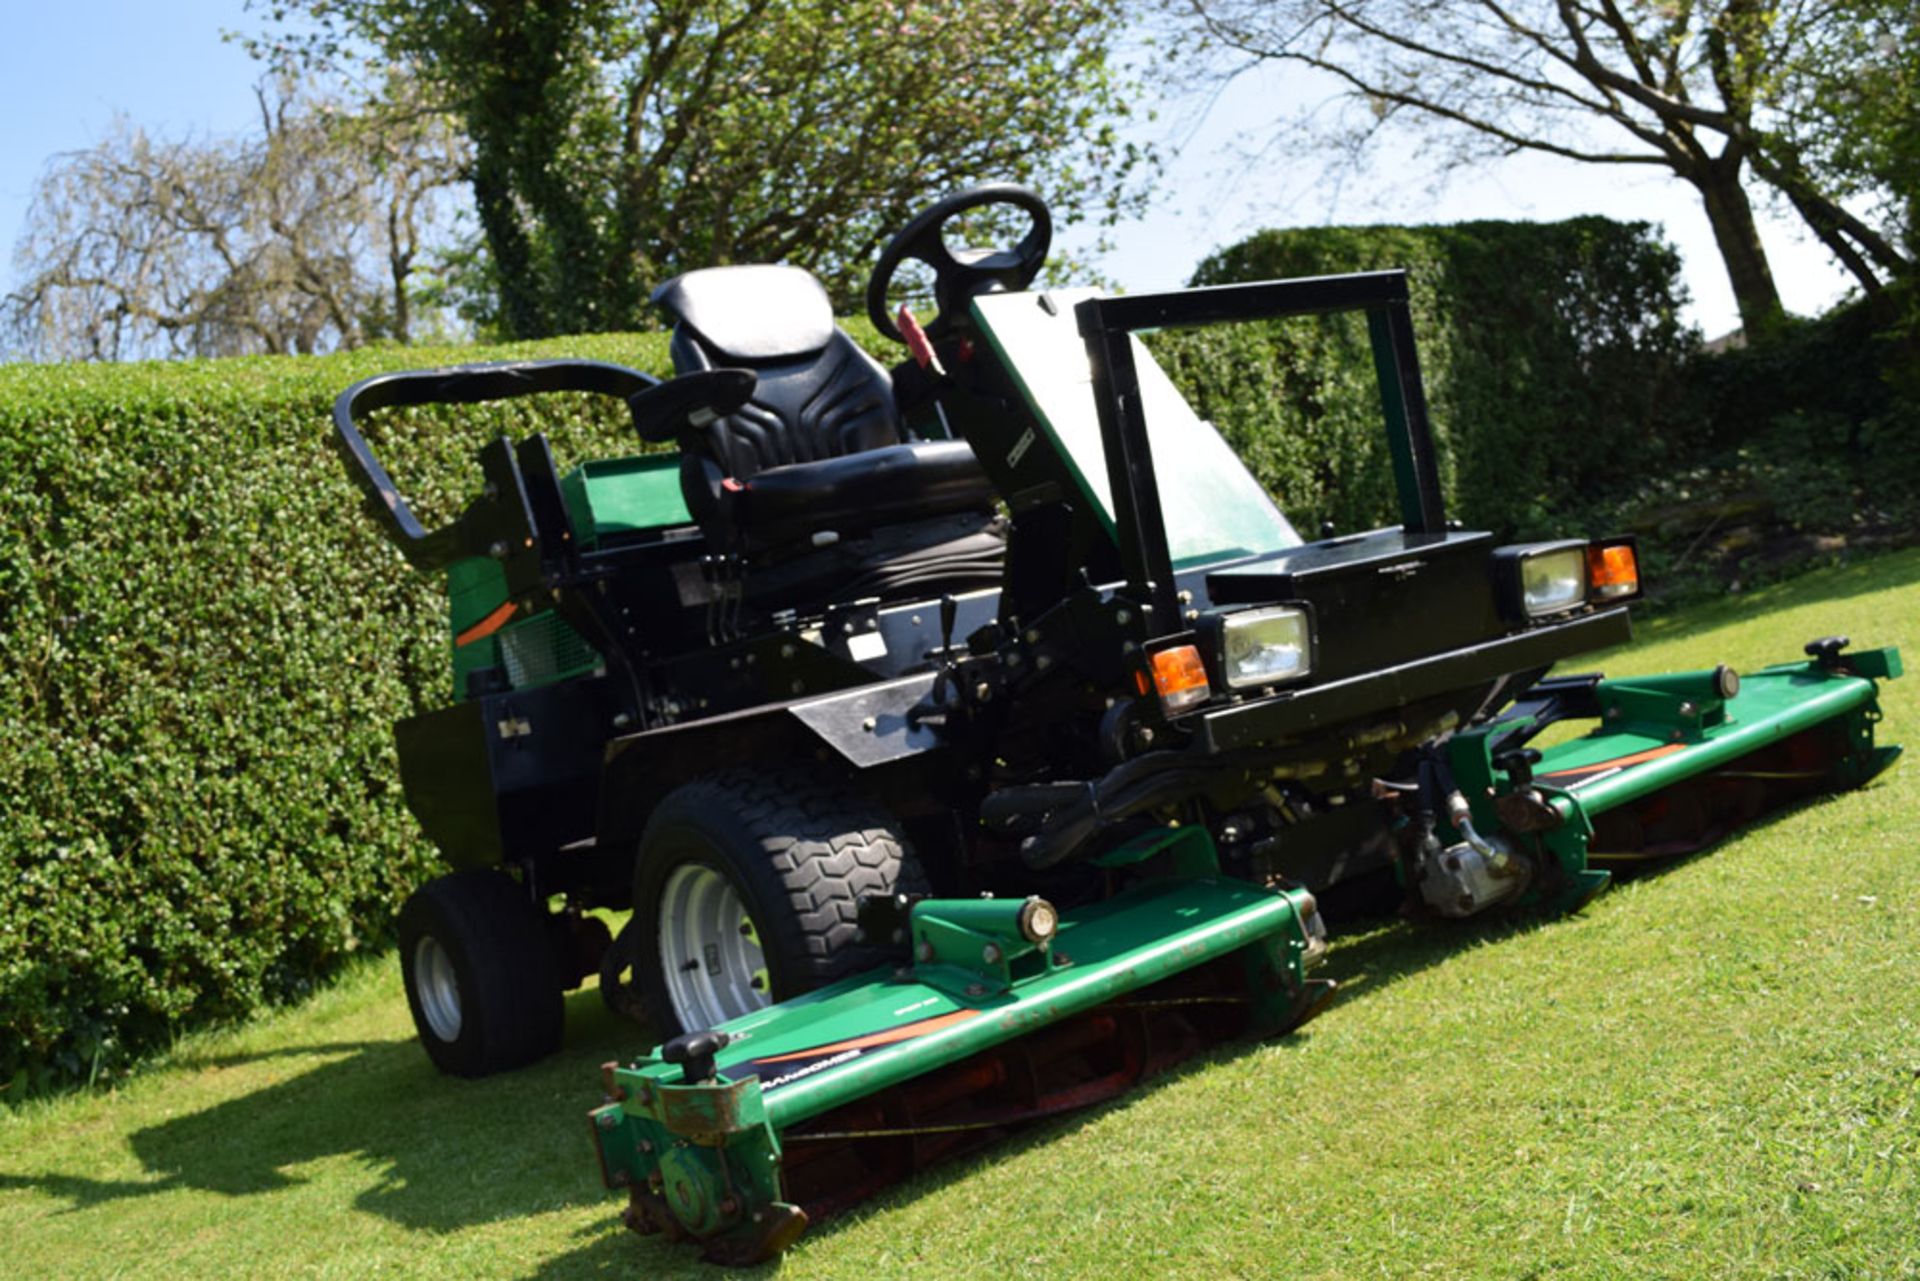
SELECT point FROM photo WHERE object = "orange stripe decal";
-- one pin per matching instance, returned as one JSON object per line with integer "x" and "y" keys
{"x": 905, "y": 1032}
{"x": 487, "y": 626}
{"x": 1618, "y": 762}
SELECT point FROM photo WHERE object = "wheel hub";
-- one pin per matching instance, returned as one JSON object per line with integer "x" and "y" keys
{"x": 437, "y": 987}
{"x": 710, "y": 953}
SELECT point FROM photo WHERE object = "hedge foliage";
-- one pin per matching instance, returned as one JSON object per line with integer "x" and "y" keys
{"x": 1553, "y": 357}
{"x": 204, "y": 642}
{"x": 203, "y": 646}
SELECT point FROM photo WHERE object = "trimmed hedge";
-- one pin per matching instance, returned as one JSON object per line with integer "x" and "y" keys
{"x": 1553, "y": 357}
{"x": 204, "y": 642}
{"x": 203, "y": 646}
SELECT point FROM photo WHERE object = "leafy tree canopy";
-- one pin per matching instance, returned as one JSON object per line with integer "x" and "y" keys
{"x": 1814, "y": 98}
{"x": 305, "y": 236}
{"x": 615, "y": 144}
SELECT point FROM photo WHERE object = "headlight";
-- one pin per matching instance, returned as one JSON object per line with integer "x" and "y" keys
{"x": 1265, "y": 646}
{"x": 1539, "y": 579}
{"x": 1553, "y": 581}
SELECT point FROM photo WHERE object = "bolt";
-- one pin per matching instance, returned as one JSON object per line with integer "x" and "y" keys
{"x": 799, "y": 687}
{"x": 606, "y": 1120}
{"x": 990, "y": 954}
{"x": 870, "y": 724}
{"x": 976, "y": 989}
{"x": 1061, "y": 958}
{"x": 622, "y": 720}
{"x": 982, "y": 692}
{"x": 786, "y": 651}
{"x": 847, "y": 627}
{"x": 1122, "y": 616}
{"x": 734, "y": 662}
{"x": 1688, "y": 709}
{"x": 1032, "y": 637}
{"x": 924, "y": 952}
{"x": 498, "y": 549}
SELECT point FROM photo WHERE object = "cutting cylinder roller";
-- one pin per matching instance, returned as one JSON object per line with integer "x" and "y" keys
{"x": 1009, "y": 1010}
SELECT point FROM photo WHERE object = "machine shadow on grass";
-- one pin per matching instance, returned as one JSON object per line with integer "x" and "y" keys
{"x": 1387, "y": 951}
{"x": 383, "y": 1103}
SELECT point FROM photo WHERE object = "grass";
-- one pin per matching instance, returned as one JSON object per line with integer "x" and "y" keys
{"x": 1714, "y": 1070}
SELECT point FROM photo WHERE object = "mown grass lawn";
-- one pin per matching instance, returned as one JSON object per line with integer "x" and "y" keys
{"x": 1712, "y": 1071}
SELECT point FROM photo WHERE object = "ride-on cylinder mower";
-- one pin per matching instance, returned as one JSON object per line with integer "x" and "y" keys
{"x": 971, "y": 739}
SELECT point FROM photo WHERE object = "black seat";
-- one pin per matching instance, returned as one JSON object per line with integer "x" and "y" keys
{"x": 819, "y": 447}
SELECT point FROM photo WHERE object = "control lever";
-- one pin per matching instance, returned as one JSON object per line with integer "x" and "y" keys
{"x": 1518, "y": 763}
{"x": 936, "y": 698}
{"x": 694, "y": 1052}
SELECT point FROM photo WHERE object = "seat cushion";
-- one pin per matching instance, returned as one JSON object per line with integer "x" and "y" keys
{"x": 750, "y": 314}
{"x": 859, "y": 491}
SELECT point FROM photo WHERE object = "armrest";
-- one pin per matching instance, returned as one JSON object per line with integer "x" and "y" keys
{"x": 670, "y": 410}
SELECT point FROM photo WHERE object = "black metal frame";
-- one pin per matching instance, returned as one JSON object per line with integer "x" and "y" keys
{"x": 1106, "y": 324}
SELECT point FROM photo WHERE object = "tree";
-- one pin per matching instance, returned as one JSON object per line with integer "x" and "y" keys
{"x": 615, "y": 145}
{"x": 1707, "y": 89}
{"x": 1849, "y": 129}
{"x": 302, "y": 238}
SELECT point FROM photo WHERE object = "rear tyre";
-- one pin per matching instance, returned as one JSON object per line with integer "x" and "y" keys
{"x": 750, "y": 881}
{"x": 482, "y": 974}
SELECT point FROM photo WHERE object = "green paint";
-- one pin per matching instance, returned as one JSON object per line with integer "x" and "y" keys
{"x": 475, "y": 588}
{"x": 1680, "y": 710}
{"x": 696, "y": 1148}
{"x": 623, "y": 496}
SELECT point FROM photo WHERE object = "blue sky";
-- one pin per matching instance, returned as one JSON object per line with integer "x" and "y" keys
{"x": 73, "y": 66}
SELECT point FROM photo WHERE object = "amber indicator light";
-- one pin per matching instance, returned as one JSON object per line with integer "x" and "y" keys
{"x": 1613, "y": 571}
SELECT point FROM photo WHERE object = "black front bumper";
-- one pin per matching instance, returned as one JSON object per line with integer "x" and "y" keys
{"x": 1300, "y": 712}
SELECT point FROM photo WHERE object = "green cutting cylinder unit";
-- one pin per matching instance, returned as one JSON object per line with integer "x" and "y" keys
{"x": 1008, "y": 1011}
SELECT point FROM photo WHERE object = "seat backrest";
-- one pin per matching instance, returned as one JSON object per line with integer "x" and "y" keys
{"x": 819, "y": 395}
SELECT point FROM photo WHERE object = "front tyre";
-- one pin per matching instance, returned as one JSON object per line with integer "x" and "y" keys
{"x": 482, "y": 974}
{"x": 751, "y": 880}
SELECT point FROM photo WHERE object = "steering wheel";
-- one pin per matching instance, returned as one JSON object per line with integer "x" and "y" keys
{"x": 959, "y": 274}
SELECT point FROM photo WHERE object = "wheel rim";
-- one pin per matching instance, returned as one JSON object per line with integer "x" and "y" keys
{"x": 437, "y": 987}
{"x": 710, "y": 950}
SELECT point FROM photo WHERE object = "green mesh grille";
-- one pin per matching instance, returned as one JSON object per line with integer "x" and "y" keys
{"x": 543, "y": 649}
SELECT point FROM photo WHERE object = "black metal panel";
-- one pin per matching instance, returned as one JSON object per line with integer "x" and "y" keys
{"x": 507, "y": 776}
{"x": 1380, "y": 599}
{"x": 1310, "y": 296}
{"x": 1288, "y": 715}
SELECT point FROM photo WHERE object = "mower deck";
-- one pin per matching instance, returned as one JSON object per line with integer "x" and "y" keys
{"x": 710, "y": 1133}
